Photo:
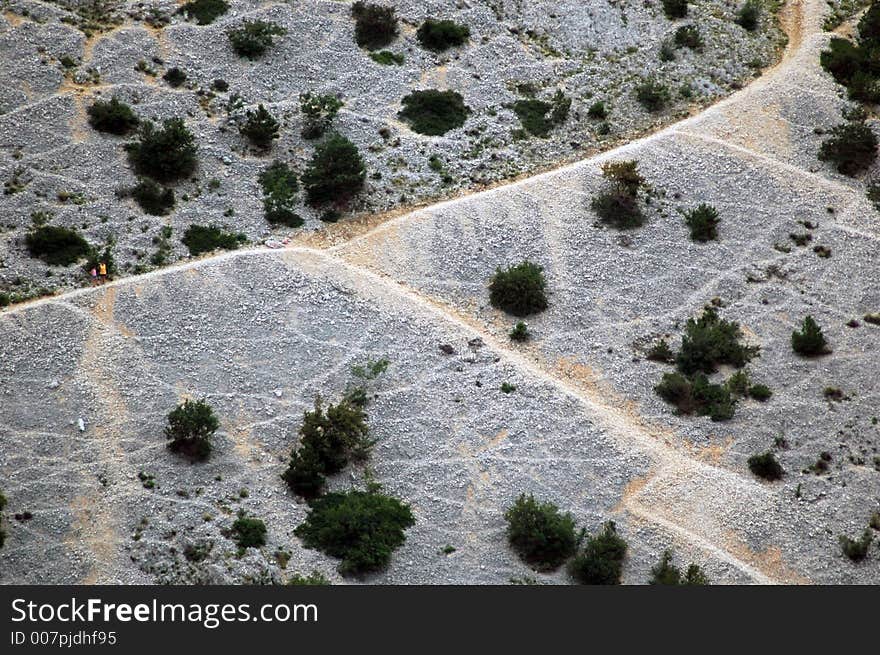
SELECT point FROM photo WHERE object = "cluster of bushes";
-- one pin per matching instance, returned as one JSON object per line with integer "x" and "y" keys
{"x": 618, "y": 205}
{"x": 375, "y": 25}
{"x": 440, "y": 35}
{"x": 666, "y": 573}
{"x": 519, "y": 290}
{"x": 318, "y": 112}
{"x": 200, "y": 239}
{"x": 329, "y": 440}
{"x": 545, "y": 538}
{"x": 335, "y": 174}
{"x": 850, "y": 146}
{"x": 165, "y": 154}
{"x": 434, "y": 112}
{"x": 114, "y": 117}
{"x": 57, "y": 246}
{"x": 538, "y": 117}
{"x": 362, "y": 528}
{"x": 191, "y": 425}
{"x": 708, "y": 342}
{"x": 260, "y": 127}
{"x": 204, "y": 12}
{"x": 280, "y": 188}
{"x": 152, "y": 198}
{"x": 254, "y": 37}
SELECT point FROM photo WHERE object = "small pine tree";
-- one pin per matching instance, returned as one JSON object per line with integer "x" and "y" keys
{"x": 260, "y": 127}
{"x": 336, "y": 172}
{"x": 540, "y": 533}
{"x": 810, "y": 341}
{"x": 601, "y": 560}
{"x": 519, "y": 290}
{"x": 190, "y": 428}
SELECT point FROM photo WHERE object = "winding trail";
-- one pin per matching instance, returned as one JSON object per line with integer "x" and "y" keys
{"x": 671, "y": 461}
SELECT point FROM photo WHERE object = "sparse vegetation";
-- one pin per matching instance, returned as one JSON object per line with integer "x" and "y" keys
{"x": 314, "y": 579}
{"x": 318, "y": 112}
{"x": 519, "y": 290}
{"x": 165, "y": 154}
{"x": 520, "y": 332}
{"x": 335, "y": 174}
{"x": 113, "y": 117}
{"x": 666, "y": 573}
{"x": 204, "y": 12}
{"x": 362, "y": 528}
{"x": 55, "y": 245}
{"x": 540, "y": 534}
{"x": 375, "y": 25}
{"x": 200, "y": 239}
{"x": 688, "y": 36}
{"x": 766, "y": 466}
{"x": 280, "y": 188}
{"x": 618, "y": 205}
{"x": 254, "y": 37}
{"x": 440, "y": 35}
{"x": 387, "y": 58}
{"x": 434, "y": 112}
{"x": 809, "y": 341}
{"x": 260, "y": 127}
{"x": 601, "y": 560}
{"x": 191, "y": 425}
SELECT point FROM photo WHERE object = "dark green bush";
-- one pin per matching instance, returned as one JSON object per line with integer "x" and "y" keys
{"x": 766, "y": 466}
{"x": 675, "y": 8}
{"x": 57, "y": 246}
{"x": 598, "y": 110}
{"x": 856, "y": 549}
{"x": 601, "y": 560}
{"x": 538, "y": 117}
{"x": 315, "y": 578}
{"x": 174, "y": 76}
{"x": 851, "y": 147}
{"x": 843, "y": 59}
{"x": 336, "y": 172}
{"x": 254, "y": 37}
{"x": 688, "y": 36}
{"x": 440, "y": 35}
{"x": 190, "y": 428}
{"x": 748, "y": 15}
{"x": 864, "y": 87}
{"x": 375, "y": 25}
{"x": 318, "y": 112}
{"x": 434, "y": 112}
{"x": 619, "y": 206}
{"x": 328, "y": 442}
{"x": 152, "y": 198}
{"x": 869, "y": 26}
{"x": 652, "y": 95}
{"x": 696, "y": 395}
{"x": 2, "y": 532}
{"x": 362, "y": 528}
{"x": 260, "y": 127}
{"x": 520, "y": 332}
{"x": 201, "y": 239}
{"x": 666, "y": 573}
{"x": 249, "y": 533}
{"x": 204, "y": 11}
{"x": 114, "y": 117}
{"x": 280, "y": 188}
{"x": 809, "y": 342}
{"x": 387, "y": 58}
{"x": 703, "y": 222}
{"x": 165, "y": 154}
{"x": 760, "y": 392}
{"x": 519, "y": 290}
{"x": 709, "y": 341}
{"x": 661, "y": 352}
{"x": 540, "y": 534}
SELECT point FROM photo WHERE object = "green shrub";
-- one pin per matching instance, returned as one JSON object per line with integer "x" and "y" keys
{"x": 856, "y": 549}
{"x": 519, "y": 290}
{"x": 688, "y": 36}
{"x": 809, "y": 342}
{"x": 703, "y": 222}
{"x": 520, "y": 332}
{"x": 190, "y": 428}
{"x": 843, "y": 59}
{"x": 318, "y": 112}
{"x": 204, "y": 11}
{"x": 434, "y": 112}
{"x": 538, "y": 117}
{"x": 440, "y": 35}
{"x": 766, "y": 466}
{"x": 375, "y": 25}
{"x": 254, "y": 37}
{"x": 661, "y": 352}
{"x": 114, "y": 117}
{"x": 387, "y": 58}
{"x": 328, "y": 441}
{"x": 152, "y": 198}
{"x": 748, "y": 15}
{"x": 760, "y": 392}
{"x": 362, "y": 528}
{"x": 601, "y": 560}
{"x": 619, "y": 206}
{"x": 709, "y": 341}
{"x": 201, "y": 239}
{"x": 174, "y": 76}
{"x": 336, "y": 172}
{"x": 675, "y": 8}
{"x": 165, "y": 154}
{"x": 864, "y": 87}
{"x": 652, "y": 95}
{"x": 315, "y": 578}
{"x": 869, "y": 25}
{"x": 260, "y": 127}
{"x": 851, "y": 147}
{"x": 249, "y": 533}
{"x": 540, "y": 534}
{"x": 696, "y": 395}
{"x": 598, "y": 110}
{"x": 280, "y": 188}
{"x": 667, "y": 51}
{"x": 57, "y": 246}
{"x": 666, "y": 573}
